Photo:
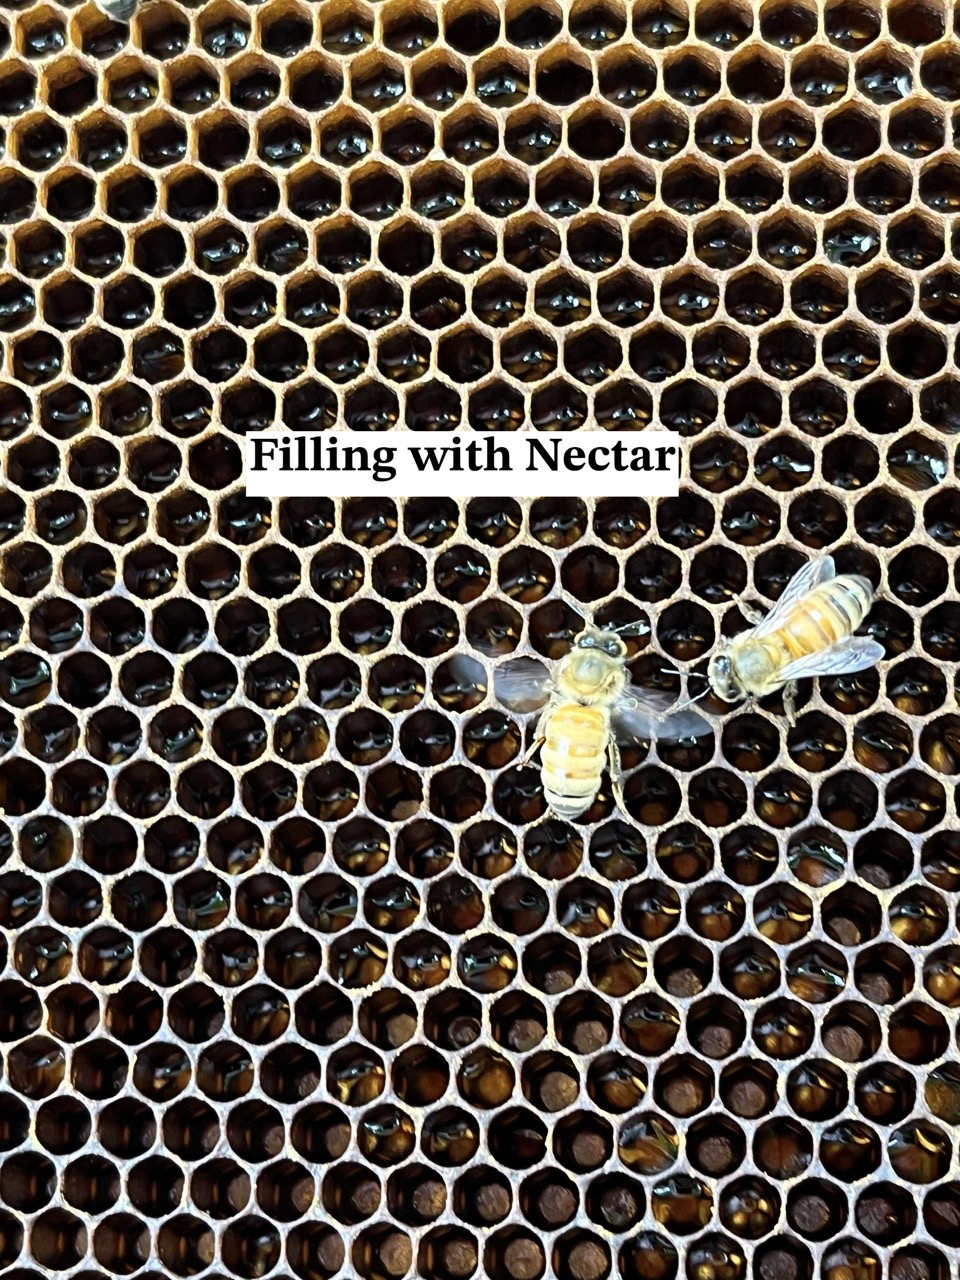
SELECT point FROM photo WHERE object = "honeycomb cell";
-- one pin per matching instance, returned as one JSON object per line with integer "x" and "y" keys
{"x": 885, "y": 1093}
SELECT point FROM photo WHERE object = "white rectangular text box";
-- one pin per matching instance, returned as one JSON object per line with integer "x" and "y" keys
{"x": 405, "y": 464}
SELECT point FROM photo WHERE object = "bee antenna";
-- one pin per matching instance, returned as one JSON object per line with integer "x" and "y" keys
{"x": 638, "y": 628}
{"x": 682, "y": 706}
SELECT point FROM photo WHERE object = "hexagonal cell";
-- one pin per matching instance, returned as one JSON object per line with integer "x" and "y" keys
{"x": 754, "y": 185}
{"x": 471, "y": 28}
{"x": 316, "y": 82}
{"x": 376, "y": 81}
{"x": 819, "y": 187}
{"x": 346, "y": 27}
{"x": 884, "y": 75}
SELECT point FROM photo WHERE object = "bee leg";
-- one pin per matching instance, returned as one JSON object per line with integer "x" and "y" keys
{"x": 616, "y": 775}
{"x": 538, "y": 740}
{"x": 749, "y": 611}
{"x": 790, "y": 701}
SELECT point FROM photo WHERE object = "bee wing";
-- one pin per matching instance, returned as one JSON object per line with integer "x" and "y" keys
{"x": 854, "y": 653}
{"x": 466, "y": 672}
{"x": 122, "y": 10}
{"x": 522, "y": 684}
{"x": 813, "y": 573}
{"x": 642, "y": 714}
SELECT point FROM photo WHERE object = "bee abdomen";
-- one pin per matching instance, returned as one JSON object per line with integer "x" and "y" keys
{"x": 573, "y": 756}
{"x": 831, "y": 612}
{"x": 853, "y": 598}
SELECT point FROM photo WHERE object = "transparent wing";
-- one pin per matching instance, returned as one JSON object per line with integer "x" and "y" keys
{"x": 641, "y": 714}
{"x": 522, "y": 684}
{"x": 813, "y": 573}
{"x": 460, "y": 674}
{"x": 855, "y": 653}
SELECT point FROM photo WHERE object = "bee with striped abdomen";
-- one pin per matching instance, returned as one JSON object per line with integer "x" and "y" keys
{"x": 808, "y": 632}
{"x": 590, "y": 705}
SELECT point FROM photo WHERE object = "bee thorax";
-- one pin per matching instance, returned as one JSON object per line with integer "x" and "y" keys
{"x": 590, "y": 677}
{"x": 755, "y": 666}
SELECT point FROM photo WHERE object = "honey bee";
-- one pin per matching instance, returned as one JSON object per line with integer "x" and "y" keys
{"x": 808, "y": 632}
{"x": 590, "y": 706}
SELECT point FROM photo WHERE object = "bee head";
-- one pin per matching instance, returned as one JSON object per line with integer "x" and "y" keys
{"x": 722, "y": 678}
{"x": 606, "y": 641}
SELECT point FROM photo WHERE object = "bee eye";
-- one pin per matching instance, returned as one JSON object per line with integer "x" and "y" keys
{"x": 587, "y": 642}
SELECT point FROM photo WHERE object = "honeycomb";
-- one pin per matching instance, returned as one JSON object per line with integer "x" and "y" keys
{"x": 301, "y": 978}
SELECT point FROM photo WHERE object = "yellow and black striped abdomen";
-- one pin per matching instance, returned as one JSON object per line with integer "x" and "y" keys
{"x": 828, "y": 614}
{"x": 573, "y": 756}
